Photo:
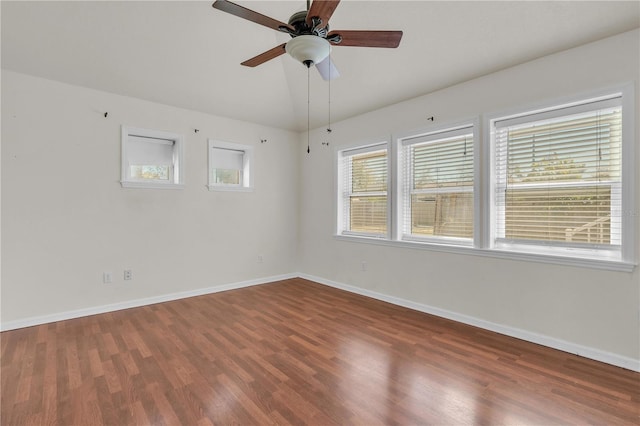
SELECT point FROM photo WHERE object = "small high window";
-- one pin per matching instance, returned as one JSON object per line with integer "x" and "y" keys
{"x": 151, "y": 159}
{"x": 230, "y": 166}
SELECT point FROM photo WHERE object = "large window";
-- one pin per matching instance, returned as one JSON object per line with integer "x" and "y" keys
{"x": 437, "y": 193}
{"x": 558, "y": 179}
{"x": 151, "y": 159}
{"x": 553, "y": 183}
{"x": 363, "y": 200}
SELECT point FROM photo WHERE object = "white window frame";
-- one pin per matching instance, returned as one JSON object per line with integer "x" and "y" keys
{"x": 343, "y": 189}
{"x": 176, "y": 171}
{"x": 484, "y": 184}
{"x": 248, "y": 166}
{"x": 434, "y": 134}
{"x": 594, "y": 256}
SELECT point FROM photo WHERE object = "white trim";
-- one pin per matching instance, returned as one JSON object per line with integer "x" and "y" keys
{"x": 437, "y": 129}
{"x": 560, "y": 111}
{"x": 540, "y": 339}
{"x": 78, "y": 313}
{"x": 229, "y": 188}
{"x": 551, "y": 342}
{"x": 608, "y": 265}
{"x": 364, "y": 149}
{"x": 629, "y": 174}
{"x": 608, "y": 92}
{"x": 442, "y": 134}
{"x": 151, "y": 185}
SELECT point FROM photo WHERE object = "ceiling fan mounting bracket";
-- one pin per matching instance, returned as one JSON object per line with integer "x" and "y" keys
{"x": 298, "y": 26}
{"x": 317, "y": 28}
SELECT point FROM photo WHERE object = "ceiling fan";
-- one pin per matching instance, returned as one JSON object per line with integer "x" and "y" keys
{"x": 311, "y": 39}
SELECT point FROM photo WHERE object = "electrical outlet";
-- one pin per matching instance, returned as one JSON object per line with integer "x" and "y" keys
{"x": 260, "y": 258}
{"x": 128, "y": 274}
{"x": 363, "y": 266}
{"x": 107, "y": 277}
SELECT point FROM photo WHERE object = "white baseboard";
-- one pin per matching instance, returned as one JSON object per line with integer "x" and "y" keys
{"x": 551, "y": 342}
{"x": 585, "y": 351}
{"x": 61, "y": 316}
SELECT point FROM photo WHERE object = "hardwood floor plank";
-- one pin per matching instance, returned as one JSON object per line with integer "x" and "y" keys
{"x": 139, "y": 414}
{"x": 297, "y": 409}
{"x": 292, "y": 353}
{"x": 113, "y": 348}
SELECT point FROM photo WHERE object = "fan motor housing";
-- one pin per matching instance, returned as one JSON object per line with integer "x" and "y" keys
{"x": 299, "y": 22}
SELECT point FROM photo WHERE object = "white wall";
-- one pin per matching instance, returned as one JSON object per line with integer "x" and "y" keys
{"x": 66, "y": 218}
{"x": 595, "y": 309}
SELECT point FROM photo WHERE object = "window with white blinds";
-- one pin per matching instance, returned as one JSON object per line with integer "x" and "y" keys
{"x": 150, "y": 158}
{"x": 364, "y": 191}
{"x": 558, "y": 178}
{"x": 230, "y": 166}
{"x": 438, "y": 179}
{"x": 555, "y": 184}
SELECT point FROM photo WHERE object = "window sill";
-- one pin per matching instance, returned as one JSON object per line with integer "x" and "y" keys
{"x": 610, "y": 265}
{"x": 230, "y": 188}
{"x": 151, "y": 185}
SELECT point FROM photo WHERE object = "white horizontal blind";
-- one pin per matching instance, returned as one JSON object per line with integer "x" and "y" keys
{"x": 438, "y": 178}
{"x": 149, "y": 151}
{"x": 558, "y": 179}
{"x": 365, "y": 191}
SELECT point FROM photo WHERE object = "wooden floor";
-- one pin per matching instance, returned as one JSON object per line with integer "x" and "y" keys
{"x": 296, "y": 352}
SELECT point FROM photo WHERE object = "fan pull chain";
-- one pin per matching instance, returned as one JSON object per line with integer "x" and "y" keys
{"x": 308, "y": 109}
{"x": 329, "y": 124}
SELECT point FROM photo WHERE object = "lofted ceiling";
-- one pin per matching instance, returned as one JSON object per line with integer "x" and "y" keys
{"x": 187, "y": 54}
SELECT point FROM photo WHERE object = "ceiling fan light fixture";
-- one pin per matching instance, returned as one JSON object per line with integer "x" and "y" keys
{"x": 308, "y": 49}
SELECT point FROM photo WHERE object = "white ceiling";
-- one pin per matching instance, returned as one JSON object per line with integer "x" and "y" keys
{"x": 188, "y": 54}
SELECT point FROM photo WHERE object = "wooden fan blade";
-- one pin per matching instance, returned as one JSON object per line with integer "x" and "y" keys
{"x": 368, "y": 38}
{"x": 322, "y": 9}
{"x": 264, "y": 57}
{"x": 248, "y": 14}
